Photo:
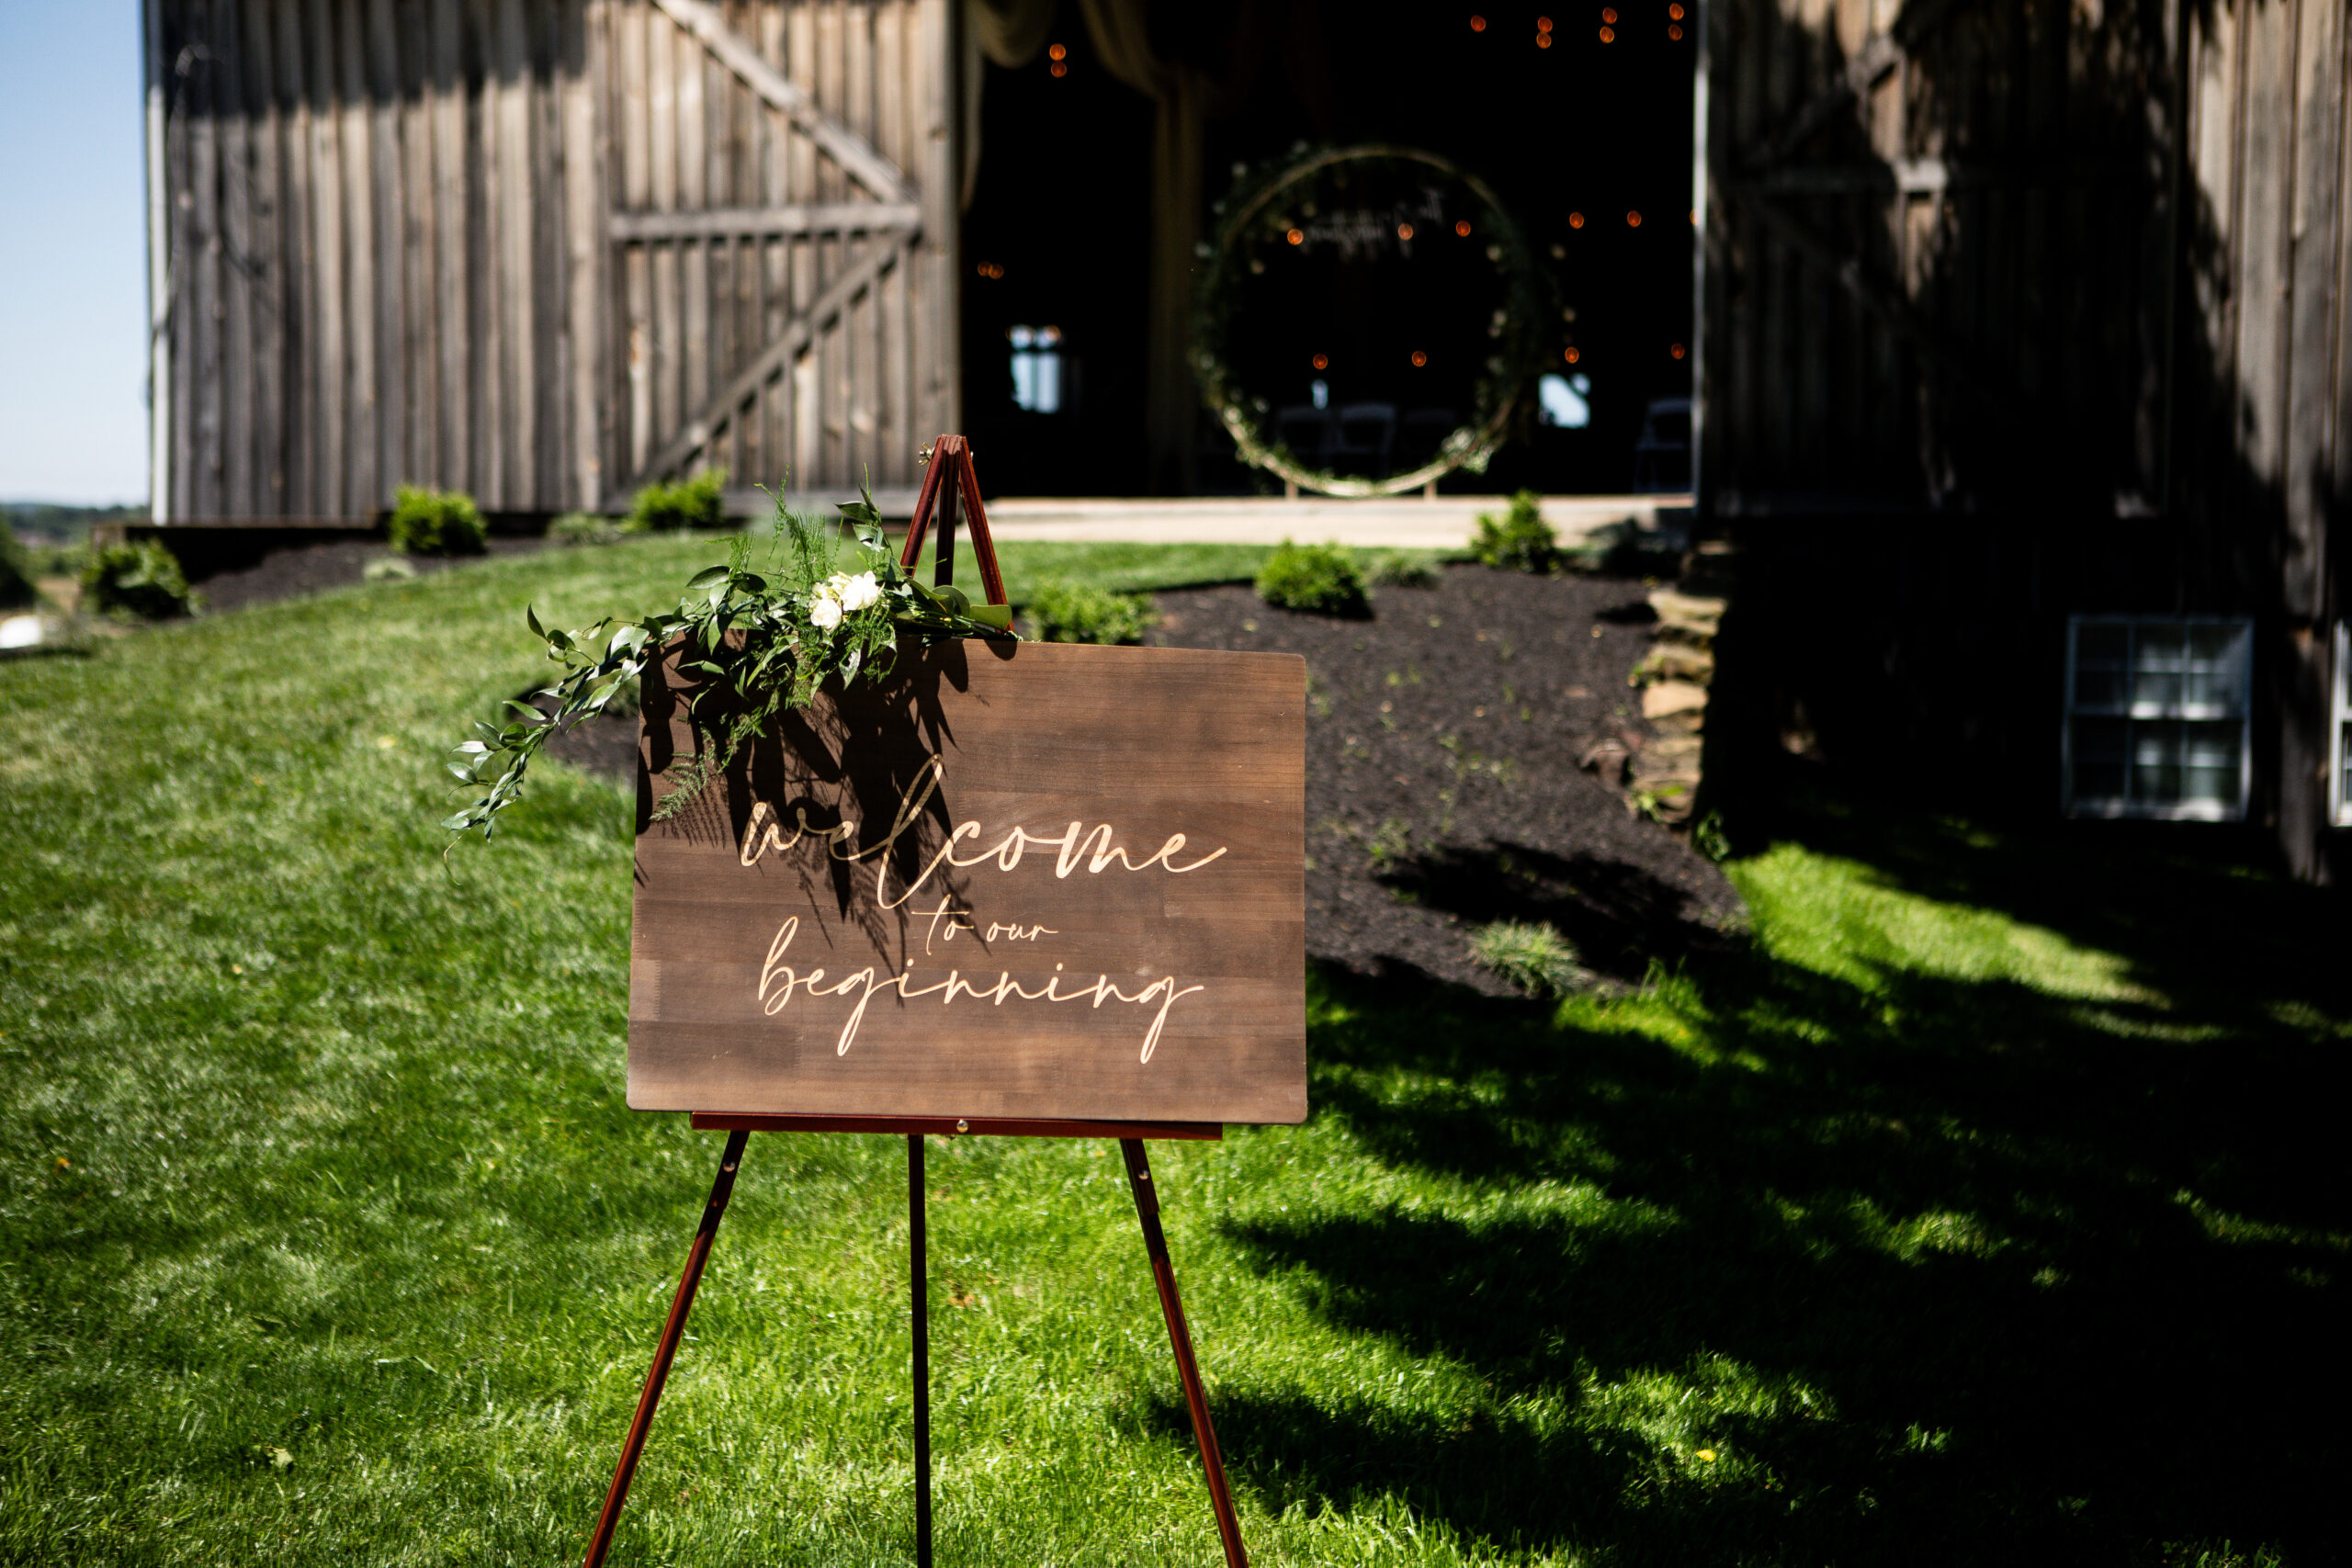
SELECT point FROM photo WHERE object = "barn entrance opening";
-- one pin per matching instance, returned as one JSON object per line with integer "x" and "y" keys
{"x": 1576, "y": 119}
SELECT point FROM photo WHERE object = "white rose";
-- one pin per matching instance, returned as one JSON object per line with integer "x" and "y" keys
{"x": 860, "y": 590}
{"x": 824, "y": 612}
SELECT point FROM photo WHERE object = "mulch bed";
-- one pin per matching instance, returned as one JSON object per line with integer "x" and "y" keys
{"x": 1443, "y": 786}
{"x": 313, "y": 568}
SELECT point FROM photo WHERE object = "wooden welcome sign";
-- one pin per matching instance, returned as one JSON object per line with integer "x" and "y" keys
{"x": 1024, "y": 888}
{"x": 1037, "y": 880}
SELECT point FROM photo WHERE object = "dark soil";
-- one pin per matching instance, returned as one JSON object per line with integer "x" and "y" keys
{"x": 313, "y": 568}
{"x": 1442, "y": 789}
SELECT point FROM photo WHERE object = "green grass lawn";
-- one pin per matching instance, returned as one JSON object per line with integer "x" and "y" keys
{"x": 1986, "y": 1209}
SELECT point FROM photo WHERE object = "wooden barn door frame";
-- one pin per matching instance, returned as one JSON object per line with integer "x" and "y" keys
{"x": 892, "y": 218}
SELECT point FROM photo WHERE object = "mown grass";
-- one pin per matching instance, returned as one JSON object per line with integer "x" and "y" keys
{"x": 1984, "y": 1209}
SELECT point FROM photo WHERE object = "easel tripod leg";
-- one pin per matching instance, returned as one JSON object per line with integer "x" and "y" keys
{"x": 1163, "y": 1274}
{"x": 721, "y": 1189}
{"x": 918, "y": 1267}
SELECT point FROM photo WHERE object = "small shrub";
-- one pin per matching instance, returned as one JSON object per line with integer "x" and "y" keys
{"x": 697, "y": 503}
{"x": 1533, "y": 956}
{"x": 16, "y": 587}
{"x": 1519, "y": 540}
{"x": 1076, "y": 611}
{"x": 435, "y": 522}
{"x": 1402, "y": 569}
{"x": 584, "y": 528}
{"x": 142, "y": 581}
{"x": 1319, "y": 579}
{"x": 1391, "y": 844}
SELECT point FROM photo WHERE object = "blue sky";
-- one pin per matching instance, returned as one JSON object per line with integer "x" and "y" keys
{"x": 72, "y": 254}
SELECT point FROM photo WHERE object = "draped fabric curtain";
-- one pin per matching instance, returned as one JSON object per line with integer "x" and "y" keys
{"x": 1010, "y": 33}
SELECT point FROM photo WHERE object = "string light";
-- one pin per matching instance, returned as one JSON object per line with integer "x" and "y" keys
{"x": 1404, "y": 231}
{"x": 1633, "y": 219}
{"x": 1609, "y": 15}
{"x": 990, "y": 269}
{"x": 1674, "y": 31}
{"x": 1571, "y": 356}
{"x": 1462, "y": 228}
{"x": 1059, "y": 52}
{"x": 1609, "y": 35}
{"x": 1676, "y": 351}
{"x": 1542, "y": 40}
{"x": 1295, "y": 238}
{"x": 1059, "y": 68}
{"x": 1674, "y": 12}
{"x": 1322, "y": 362}
{"x": 1420, "y": 359}
{"x": 1478, "y": 24}
{"x": 1542, "y": 24}
{"x": 1576, "y": 219}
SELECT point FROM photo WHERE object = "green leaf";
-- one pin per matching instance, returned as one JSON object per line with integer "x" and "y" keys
{"x": 997, "y": 615}
{"x": 705, "y": 578}
{"x": 531, "y": 616}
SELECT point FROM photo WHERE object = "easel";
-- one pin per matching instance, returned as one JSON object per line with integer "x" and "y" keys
{"x": 947, "y": 480}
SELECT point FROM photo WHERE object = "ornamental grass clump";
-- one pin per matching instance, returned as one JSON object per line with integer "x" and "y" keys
{"x": 1519, "y": 540}
{"x": 1063, "y": 611}
{"x": 435, "y": 522}
{"x": 1318, "y": 579}
{"x": 697, "y": 502}
{"x": 1532, "y": 956}
{"x": 141, "y": 582}
{"x": 748, "y": 645}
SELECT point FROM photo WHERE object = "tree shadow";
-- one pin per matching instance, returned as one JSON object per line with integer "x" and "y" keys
{"x": 1954, "y": 1269}
{"x": 1621, "y": 916}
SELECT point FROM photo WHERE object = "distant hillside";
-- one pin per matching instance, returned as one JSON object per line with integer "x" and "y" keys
{"x": 43, "y": 523}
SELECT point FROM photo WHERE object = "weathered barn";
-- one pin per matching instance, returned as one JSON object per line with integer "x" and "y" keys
{"x": 2023, "y": 383}
{"x": 538, "y": 249}
{"x": 2018, "y": 353}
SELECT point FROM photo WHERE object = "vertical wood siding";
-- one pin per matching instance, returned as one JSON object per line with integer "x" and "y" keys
{"x": 423, "y": 241}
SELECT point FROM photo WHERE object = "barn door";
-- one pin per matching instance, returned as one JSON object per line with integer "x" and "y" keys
{"x": 782, "y": 254}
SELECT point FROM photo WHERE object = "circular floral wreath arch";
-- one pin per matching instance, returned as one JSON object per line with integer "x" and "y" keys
{"x": 1516, "y": 333}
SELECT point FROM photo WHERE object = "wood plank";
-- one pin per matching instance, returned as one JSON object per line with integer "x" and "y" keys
{"x": 1032, "y": 739}
{"x": 2316, "y": 243}
{"x": 265, "y": 232}
{"x": 784, "y": 219}
{"x": 662, "y": 83}
{"x": 420, "y": 247}
{"x": 801, "y": 397}
{"x": 582, "y": 89}
{"x": 519, "y": 206}
{"x": 861, "y": 327}
{"x": 894, "y": 437}
{"x": 362, "y": 435}
{"x": 201, "y": 128}
{"x": 694, "y": 260}
{"x": 453, "y": 240}
{"x": 299, "y": 275}
{"x": 935, "y": 274}
{"x": 835, "y": 257}
{"x": 236, "y": 119}
{"x": 2265, "y": 204}
{"x": 550, "y": 483}
{"x": 634, "y": 86}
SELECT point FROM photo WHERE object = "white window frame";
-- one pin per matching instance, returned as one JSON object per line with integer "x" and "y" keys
{"x": 2339, "y": 799}
{"x": 2186, "y": 811}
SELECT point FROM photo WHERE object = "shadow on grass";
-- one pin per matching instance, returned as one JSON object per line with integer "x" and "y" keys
{"x": 1940, "y": 1269}
{"x": 1620, "y": 917}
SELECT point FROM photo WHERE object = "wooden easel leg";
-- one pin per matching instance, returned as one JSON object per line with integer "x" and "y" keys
{"x": 1163, "y": 1274}
{"x": 722, "y": 1188}
{"x": 918, "y": 1267}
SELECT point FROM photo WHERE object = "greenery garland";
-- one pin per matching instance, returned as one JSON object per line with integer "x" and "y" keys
{"x": 1257, "y": 211}
{"x": 762, "y": 642}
